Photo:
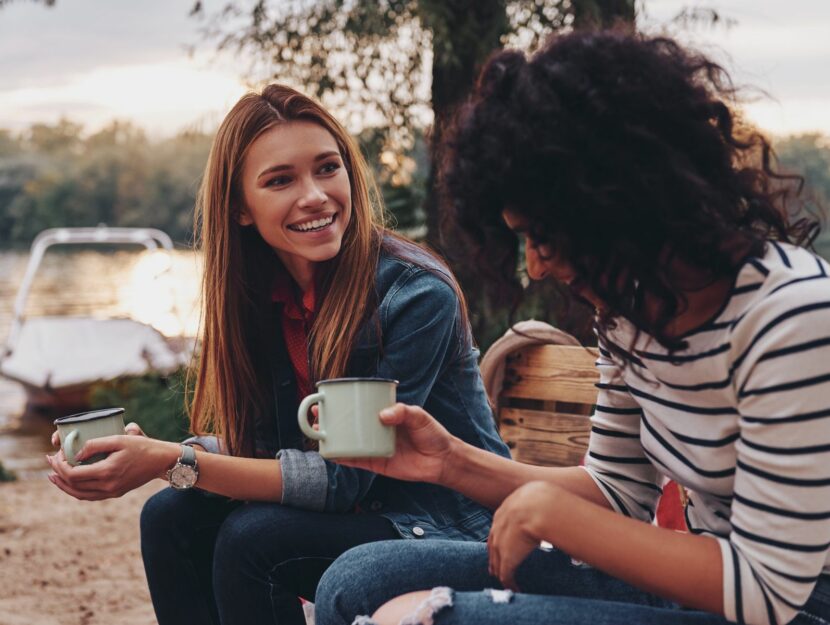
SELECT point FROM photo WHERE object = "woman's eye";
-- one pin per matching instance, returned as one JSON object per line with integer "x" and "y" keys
{"x": 279, "y": 181}
{"x": 329, "y": 168}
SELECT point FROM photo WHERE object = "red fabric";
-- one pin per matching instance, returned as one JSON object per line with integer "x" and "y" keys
{"x": 297, "y": 315}
{"x": 670, "y": 512}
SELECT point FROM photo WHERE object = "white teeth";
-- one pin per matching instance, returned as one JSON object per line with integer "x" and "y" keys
{"x": 313, "y": 225}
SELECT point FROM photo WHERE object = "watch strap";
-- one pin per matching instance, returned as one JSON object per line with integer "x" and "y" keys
{"x": 188, "y": 456}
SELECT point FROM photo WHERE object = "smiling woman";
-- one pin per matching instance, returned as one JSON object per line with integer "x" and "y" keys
{"x": 297, "y": 195}
{"x": 301, "y": 283}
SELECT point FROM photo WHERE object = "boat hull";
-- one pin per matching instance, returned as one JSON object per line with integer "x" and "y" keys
{"x": 60, "y": 401}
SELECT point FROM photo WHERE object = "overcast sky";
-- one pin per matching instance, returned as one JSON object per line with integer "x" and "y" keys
{"x": 94, "y": 60}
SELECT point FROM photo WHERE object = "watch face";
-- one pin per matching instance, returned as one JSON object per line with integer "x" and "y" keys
{"x": 183, "y": 476}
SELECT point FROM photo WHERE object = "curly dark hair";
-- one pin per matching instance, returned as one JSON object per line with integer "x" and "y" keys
{"x": 623, "y": 152}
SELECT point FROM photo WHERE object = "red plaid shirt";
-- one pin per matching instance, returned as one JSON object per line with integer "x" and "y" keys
{"x": 297, "y": 315}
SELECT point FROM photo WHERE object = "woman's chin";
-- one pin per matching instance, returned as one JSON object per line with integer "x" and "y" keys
{"x": 320, "y": 253}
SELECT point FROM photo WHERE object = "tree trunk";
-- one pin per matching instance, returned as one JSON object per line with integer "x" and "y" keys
{"x": 464, "y": 35}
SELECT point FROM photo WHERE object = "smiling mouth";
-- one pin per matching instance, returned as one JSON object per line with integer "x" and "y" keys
{"x": 313, "y": 226}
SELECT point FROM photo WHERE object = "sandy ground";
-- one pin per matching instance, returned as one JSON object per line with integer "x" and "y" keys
{"x": 69, "y": 562}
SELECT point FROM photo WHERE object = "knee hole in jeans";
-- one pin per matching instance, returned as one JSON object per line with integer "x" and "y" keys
{"x": 439, "y": 598}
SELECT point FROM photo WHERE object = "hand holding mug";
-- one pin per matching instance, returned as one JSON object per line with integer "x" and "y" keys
{"x": 423, "y": 447}
{"x": 128, "y": 462}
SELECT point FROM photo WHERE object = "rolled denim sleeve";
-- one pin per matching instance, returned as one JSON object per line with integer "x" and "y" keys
{"x": 419, "y": 319}
{"x": 210, "y": 444}
{"x": 304, "y": 479}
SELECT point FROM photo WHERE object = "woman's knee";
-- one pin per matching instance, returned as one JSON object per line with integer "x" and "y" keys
{"x": 357, "y": 582}
{"x": 179, "y": 519}
{"x": 261, "y": 535}
{"x": 414, "y": 606}
{"x": 159, "y": 515}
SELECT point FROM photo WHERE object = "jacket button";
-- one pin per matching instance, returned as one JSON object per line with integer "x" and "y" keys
{"x": 375, "y": 506}
{"x": 418, "y": 531}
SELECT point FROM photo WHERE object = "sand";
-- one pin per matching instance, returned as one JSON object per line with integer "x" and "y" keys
{"x": 69, "y": 562}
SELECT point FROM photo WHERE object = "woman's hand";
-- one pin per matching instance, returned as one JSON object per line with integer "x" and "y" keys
{"x": 422, "y": 447}
{"x": 133, "y": 461}
{"x": 518, "y": 525}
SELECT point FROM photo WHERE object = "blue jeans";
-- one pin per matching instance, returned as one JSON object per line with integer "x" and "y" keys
{"x": 210, "y": 560}
{"x": 555, "y": 591}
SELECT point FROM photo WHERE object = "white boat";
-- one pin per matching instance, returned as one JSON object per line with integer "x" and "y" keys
{"x": 58, "y": 358}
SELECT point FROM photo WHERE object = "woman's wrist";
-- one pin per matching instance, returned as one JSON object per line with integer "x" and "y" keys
{"x": 168, "y": 454}
{"x": 455, "y": 464}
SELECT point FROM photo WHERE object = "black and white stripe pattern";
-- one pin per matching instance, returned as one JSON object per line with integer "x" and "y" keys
{"x": 741, "y": 418}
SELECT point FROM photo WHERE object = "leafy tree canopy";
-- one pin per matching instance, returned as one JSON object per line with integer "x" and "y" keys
{"x": 394, "y": 64}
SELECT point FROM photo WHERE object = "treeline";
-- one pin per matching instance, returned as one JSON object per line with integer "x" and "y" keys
{"x": 54, "y": 175}
{"x": 808, "y": 155}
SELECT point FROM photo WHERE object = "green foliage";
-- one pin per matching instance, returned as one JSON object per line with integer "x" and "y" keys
{"x": 401, "y": 176}
{"x": 6, "y": 475}
{"x": 53, "y": 176}
{"x": 374, "y": 59}
{"x": 153, "y": 401}
{"x": 808, "y": 155}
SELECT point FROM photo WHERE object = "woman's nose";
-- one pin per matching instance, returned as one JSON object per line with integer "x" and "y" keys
{"x": 536, "y": 267}
{"x": 312, "y": 195}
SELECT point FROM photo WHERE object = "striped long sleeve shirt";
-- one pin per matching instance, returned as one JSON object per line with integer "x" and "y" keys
{"x": 741, "y": 419}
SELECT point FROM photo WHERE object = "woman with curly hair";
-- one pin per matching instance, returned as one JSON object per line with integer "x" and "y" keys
{"x": 619, "y": 163}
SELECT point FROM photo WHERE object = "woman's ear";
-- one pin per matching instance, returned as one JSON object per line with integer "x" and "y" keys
{"x": 243, "y": 217}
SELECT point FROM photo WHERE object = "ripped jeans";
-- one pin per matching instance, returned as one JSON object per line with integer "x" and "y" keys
{"x": 555, "y": 591}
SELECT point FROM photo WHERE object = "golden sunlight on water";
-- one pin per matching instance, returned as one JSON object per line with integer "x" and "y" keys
{"x": 162, "y": 290}
{"x": 156, "y": 288}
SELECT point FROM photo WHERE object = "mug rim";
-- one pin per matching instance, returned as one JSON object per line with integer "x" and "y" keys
{"x": 88, "y": 415}
{"x": 338, "y": 380}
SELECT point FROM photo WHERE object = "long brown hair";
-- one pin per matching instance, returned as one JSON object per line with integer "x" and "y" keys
{"x": 228, "y": 393}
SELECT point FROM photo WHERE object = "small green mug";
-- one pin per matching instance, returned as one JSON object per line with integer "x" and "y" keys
{"x": 76, "y": 429}
{"x": 349, "y": 425}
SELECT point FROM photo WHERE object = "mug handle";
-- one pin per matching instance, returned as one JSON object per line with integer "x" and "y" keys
{"x": 68, "y": 444}
{"x": 302, "y": 417}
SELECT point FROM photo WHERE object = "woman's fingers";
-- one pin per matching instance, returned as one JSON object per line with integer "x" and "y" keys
{"x": 507, "y": 571}
{"x": 56, "y": 439}
{"x": 493, "y": 554}
{"x": 397, "y": 414}
{"x": 503, "y": 561}
{"x": 77, "y": 493}
{"x": 103, "y": 445}
{"x": 133, "y": 429}
{"x": 78, "y": 474}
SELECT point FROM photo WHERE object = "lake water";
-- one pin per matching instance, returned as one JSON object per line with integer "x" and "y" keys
{"x": 151, "y": 287}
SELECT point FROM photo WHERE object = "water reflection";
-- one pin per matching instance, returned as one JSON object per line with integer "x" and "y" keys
{"x": 89, "y": 283}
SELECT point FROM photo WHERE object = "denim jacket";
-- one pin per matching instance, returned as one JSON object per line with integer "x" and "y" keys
{"x": 424, "y": 345}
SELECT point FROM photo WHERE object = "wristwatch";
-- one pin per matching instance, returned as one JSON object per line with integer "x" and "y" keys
{"x": 185, "y": 472}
